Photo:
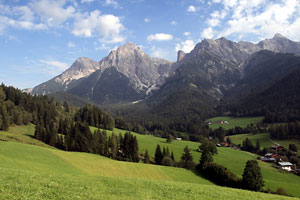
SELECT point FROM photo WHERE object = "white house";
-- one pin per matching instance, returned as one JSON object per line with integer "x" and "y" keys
{"x": 286, "y": 166}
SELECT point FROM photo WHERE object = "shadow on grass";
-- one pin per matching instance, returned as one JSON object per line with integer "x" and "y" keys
{"x": 196, "y": 172}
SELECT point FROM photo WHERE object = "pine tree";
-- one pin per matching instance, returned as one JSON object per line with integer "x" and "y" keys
{"x": 252, "y": 177}
{"x": 158, "y": 155}
{"x": 146, "y": 158}
{"x": 257, "y": 146}
{"x": 5, "y": 119}
{"x": 187, "y": 158}
{"x": 172, "y": 156}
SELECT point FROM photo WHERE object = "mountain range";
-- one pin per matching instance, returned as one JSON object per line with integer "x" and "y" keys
{"x": 216, "y": 76}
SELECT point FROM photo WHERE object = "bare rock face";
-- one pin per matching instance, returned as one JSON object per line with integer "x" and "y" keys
{"x": 280, "y": 44}
{"x": 81, "y": 68}
{"x": 143, "y": 71}
{"x": 180, "y": 55}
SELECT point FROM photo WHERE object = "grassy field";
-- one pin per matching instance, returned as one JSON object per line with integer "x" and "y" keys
{"x": 149, "y": 142}
{"x": 230, "y": 158}
{"x": 233, "y": 122}
{"x": 61, "y": 168}
{"x": 23, "y": 134}
{"x": 40, "y": 186}
{"x": 264, "y": 139}
{"x": 26, "y": 174}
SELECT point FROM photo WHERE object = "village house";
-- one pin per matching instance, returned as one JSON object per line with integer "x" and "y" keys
{"x": 287, "y": 166}
{"x": 277, "y": 147}
{"x": 269, "y": 157}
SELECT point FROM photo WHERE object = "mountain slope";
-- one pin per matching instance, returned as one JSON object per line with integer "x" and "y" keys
{"x": 82, "y": 67}
{"x": 270, "y": 83}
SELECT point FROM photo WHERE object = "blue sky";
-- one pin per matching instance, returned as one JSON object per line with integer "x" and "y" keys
{"x": 41, "y": 38}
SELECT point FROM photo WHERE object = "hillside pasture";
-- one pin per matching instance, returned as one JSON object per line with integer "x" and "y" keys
{"x": 32, "y": 172}
{"x": 233, "y": 122}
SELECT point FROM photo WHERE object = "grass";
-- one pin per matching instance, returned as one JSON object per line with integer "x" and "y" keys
{"x": 233, "y": 122}
{"x": 33, "y": 172}
{"x": 23, "y": 134}
{"x": 150, "y": 142}
{"x": 39, "y": 186}
{"x": 264, "y": 139}
{"x": 230, "y": 158}
{"x": 236, "y": 161}
{"x": 37, "y": 172}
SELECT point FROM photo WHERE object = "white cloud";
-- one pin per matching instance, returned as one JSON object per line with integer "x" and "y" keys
{"x": 71, "y": 44}
{"x": 160, "y": 53}
{"x": 213, "y": 22}
{"x": 6, "y": 22}
{"x": 186, "y": 46}
{"x": 191, "y": 8}
{"x": 108, "y": 27}
{"x": 187, "y": 33}
{"x": 26, "y": 13}
{"x": 160, "y": 37}
{"x": 55, "y": 64}
{"x": 113, "y": 3}
{"x": 173, "y": 22}
{"x": 264, "y": 19}
{"x": 208, "y": 33}
{"x": 147, "y": 20}
{"x": 53, "y": 13}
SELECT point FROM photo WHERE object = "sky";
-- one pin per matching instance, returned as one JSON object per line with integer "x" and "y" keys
{"x": 39, "y": 39}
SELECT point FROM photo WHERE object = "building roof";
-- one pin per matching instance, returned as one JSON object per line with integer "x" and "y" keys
{"x": 283, "y": 164}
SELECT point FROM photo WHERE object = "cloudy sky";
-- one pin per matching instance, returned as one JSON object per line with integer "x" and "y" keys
{"x": 41, "y": 38}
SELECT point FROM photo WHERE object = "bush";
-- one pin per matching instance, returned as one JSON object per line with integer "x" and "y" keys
{"x": 281, "y": 191}
{"x": 167, "y": 161}
{"x": 221, "y": 175}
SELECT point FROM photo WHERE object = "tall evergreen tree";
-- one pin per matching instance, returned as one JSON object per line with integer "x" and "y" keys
{"x": 187, "y": 158}
{"x": 146, "y": 157}
{"x": 158, "y": 155}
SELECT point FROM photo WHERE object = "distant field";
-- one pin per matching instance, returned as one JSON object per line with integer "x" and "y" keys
{"x": 236, "y": 161}
{"x": 23, "y": 134}
{"x": 264, "y": 139}
{"x": 233, "y": 122}
{"x": 149, "y": 142}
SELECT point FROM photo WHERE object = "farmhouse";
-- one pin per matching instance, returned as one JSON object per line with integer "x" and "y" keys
{"x": 286, "y": 166}
{"x": 277, "y": 147}
{"x": 269, "y": 157}
{"x": 217, "y": 122}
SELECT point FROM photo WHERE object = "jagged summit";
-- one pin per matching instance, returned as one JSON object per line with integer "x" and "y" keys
{"x": 81, "y": 68}
{"x": 278, "y": 35}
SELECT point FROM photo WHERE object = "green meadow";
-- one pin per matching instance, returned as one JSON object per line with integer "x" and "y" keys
{"x": 264, "y": 139}
{"x": 35, "y": 172}
{"x": 232, "y": 159}
{"x": 234, "y": 121}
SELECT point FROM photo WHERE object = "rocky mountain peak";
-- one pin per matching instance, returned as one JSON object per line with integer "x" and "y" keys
{"x": 81, "y": 68}
{"x": 180, "y": 55}
{"x": 278, "y": 35}
{"x": 280, "y": 44}
{"x": 142, "y": 70}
